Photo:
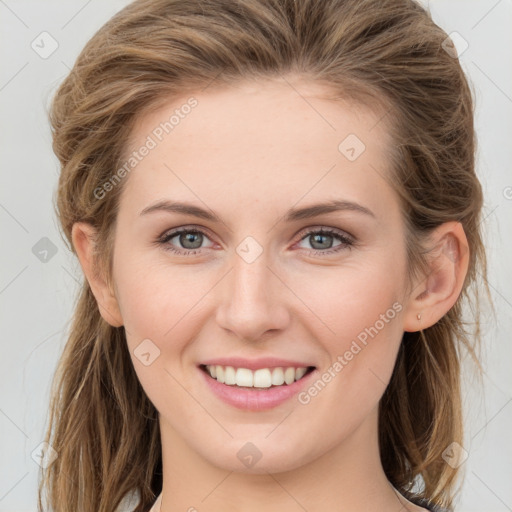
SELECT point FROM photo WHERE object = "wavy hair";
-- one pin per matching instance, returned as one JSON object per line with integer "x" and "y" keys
{"x": 388, "y": 54}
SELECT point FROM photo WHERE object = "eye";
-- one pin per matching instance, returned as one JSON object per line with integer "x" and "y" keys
{"x": 190, "y": 239}
{"x": 322, "y": 240}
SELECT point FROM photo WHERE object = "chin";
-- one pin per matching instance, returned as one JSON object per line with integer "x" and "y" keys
{"x": 260, "y": 456}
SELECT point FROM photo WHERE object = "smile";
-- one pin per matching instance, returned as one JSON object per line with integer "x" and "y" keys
{"x": 261, "y": 378}
{"x": 256, "y": 390}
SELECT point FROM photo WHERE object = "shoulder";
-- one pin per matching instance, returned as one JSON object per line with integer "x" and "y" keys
{"x": 426, "y": 505}
{"x": 156, "y": 504}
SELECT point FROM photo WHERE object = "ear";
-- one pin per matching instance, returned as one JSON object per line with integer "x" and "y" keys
{"x": 435, "y": 294}
{"x": 83, "y": 236}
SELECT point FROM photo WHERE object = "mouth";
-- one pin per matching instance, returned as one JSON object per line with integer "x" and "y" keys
{"x": 254, "y": 384}
{"x": 260, "y": 380}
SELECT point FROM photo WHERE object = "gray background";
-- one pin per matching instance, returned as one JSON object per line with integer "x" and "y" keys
{"x": 37, "y": 290}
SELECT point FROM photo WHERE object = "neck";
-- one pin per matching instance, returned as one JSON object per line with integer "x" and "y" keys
{"x": 347, "y": 477}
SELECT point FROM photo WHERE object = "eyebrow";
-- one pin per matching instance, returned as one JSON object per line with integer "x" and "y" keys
{"x": 293, "y": 214}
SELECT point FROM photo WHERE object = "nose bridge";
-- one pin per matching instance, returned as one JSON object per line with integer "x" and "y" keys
{"x": 253, "y": 302}
{"x": 251, "y": 279}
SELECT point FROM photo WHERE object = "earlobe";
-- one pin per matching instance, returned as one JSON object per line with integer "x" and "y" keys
{"x": 83, "y": 236}
{"x": 438, "y": 291}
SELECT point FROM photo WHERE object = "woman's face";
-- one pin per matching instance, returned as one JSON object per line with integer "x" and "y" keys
{"x": 250, "y": 283}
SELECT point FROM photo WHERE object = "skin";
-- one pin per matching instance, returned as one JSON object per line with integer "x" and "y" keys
{"x": 249, "y": 153}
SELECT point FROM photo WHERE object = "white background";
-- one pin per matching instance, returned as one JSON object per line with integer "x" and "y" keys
{"x": 36, "y": 298}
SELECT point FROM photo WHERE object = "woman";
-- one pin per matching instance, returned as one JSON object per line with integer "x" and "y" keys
{"x": 275, "y": 206}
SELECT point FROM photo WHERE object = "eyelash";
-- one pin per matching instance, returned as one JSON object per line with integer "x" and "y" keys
{"x": 346, "y": 242}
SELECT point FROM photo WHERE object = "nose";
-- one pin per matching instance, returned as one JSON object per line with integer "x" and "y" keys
{"x": 253, "y": 300}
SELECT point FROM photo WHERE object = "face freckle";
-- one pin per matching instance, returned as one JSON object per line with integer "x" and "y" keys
{"x": 235, "y": 168}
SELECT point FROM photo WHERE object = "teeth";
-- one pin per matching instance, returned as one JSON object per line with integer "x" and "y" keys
{"x": 244, "y": 377}
{"x": 277, "y": 376}
{"x": 262, "y": 378}
{"x": 300, "y": 372}
{"x": 229, "y": 376}
{"x": 289, "y": 375}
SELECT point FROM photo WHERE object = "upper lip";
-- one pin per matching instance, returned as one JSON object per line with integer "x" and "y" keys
{"x": 255, "y": 364}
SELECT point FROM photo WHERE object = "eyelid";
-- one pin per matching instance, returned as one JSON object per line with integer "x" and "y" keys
{"x": 188, "y": 227}
{"x": 329, "y": 229}
{"x": 344, "y": 237}
{"x": 301, "y": 234}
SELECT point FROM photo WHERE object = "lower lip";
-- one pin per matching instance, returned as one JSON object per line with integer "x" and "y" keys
{"x": 251, "y": 399}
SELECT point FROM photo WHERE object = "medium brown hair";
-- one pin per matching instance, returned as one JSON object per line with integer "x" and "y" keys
{"x": 386, "y": 53}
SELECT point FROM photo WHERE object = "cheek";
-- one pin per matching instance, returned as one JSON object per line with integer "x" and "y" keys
{"x": 349, "y": 298}
{"x": 159, "y": 309}
{"x": 163, "y": 308}
{"x": 157, "y": 300}
{"x": 360, "y": 328}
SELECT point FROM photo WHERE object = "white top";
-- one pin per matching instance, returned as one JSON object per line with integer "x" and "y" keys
{"x": 156, "y": 506}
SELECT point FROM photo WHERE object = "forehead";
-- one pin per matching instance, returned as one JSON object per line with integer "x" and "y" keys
{"x": 260, "y": 142}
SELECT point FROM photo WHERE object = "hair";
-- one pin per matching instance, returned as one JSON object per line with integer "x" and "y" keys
{"x": 388, "y": 55}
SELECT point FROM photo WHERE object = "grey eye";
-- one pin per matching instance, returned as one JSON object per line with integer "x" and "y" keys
{"x": 190, "y": 239}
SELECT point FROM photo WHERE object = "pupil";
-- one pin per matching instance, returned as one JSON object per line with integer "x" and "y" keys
{"x": 189, "y": 237}
{"x": 320, "y": 236}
